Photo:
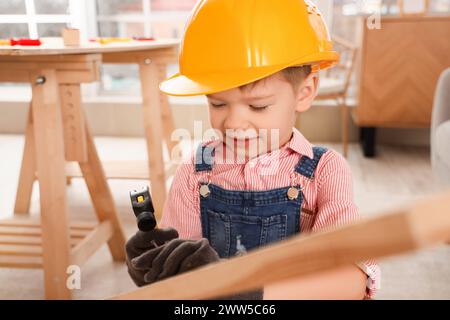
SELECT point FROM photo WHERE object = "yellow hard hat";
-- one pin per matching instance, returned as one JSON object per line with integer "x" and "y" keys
{"x": 229, "y": 43}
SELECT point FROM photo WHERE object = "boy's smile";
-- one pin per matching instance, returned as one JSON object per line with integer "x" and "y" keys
{"x": 259, "y": 117}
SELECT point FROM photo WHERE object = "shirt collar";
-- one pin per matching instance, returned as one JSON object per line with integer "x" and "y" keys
{"x": 300, "y": 144}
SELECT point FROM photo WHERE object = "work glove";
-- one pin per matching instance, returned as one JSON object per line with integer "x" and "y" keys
{"x": 178, "y": 256}
{"x": 142, "y": 242}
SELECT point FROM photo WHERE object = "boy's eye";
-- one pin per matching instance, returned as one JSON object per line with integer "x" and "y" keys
{"x": 258, "y": 108}
{"x": 217, "y": 105}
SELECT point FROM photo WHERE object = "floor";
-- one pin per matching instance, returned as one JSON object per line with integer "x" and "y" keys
{"x": 396, "y": 176}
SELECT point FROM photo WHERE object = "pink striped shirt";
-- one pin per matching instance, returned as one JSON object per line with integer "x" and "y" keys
{"x": 328, "y": 198}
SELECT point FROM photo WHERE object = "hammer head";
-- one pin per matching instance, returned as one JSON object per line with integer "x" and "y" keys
{"x": 143, "y": 209}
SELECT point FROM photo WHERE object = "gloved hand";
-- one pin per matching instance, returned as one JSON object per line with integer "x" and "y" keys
{"x": 175, "y": 257}
{"x": 142, "y": 242}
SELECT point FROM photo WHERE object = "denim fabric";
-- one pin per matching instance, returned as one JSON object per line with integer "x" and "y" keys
{"x": 236, "y": 222}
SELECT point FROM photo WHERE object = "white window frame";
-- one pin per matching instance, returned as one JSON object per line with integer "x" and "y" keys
{"x": 75, "y": 17}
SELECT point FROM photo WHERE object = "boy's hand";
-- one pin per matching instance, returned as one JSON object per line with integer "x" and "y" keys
{"x": 142, "y": 242}
{"x": 174, "y": 257}
{"x": 178, "y": 256}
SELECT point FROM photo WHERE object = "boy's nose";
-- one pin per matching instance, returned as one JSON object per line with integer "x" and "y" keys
{"x": 236, "y": 120}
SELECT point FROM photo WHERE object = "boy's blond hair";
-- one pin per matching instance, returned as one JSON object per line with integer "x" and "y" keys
{"x": 294, "y": 75}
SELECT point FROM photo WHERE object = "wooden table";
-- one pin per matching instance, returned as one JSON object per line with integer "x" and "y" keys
{"x": 57, "y": 132}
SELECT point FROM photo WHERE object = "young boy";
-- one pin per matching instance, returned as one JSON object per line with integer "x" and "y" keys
{"x": 261, "y": 181}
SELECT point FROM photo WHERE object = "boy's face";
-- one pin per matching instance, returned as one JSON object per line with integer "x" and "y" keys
{"x": 259, "y": 118}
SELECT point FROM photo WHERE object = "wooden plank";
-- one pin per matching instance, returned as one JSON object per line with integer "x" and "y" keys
{"x": 165, "y": 56}
{"x": 151, "y": 113}
{"x": 36, "y": 231}
{"x": 35, "y": 222}
{"x": 89, "y": 245}
{"x": 55, "y": 46}
{"x": 32, "y": 241}
{"x": 73, "y": 58}
{"x": 423, "y": 224}
{"x": 17, "y": 250}
{"x": 27, "y": 170}
{"x": 75, "y": 146}
{"x": 78, "y": 76}
{"x": 20, "y": 262}
{"x": 80, "y": 66}
{"x": 16, "y": 76}
{"x": 49, "y": 141}
{"x": 166, "y": 112}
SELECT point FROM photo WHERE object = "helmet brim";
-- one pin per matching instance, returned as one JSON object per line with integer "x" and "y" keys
{"x": 202, "y": 84}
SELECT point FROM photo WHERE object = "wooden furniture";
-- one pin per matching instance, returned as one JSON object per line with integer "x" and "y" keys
{"x": 400, "y": 66}
{"x": 57, "y": 132}
{"x": 152, "y": 58}
{"x": 334, "y": 85}
{"x": 420, "y": 225}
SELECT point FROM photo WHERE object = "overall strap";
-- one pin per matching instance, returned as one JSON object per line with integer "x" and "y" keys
{"x": 306, "y": 166}
{"x": 204, "y": 158}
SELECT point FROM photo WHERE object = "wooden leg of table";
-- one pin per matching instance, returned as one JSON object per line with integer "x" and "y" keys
{"x": 48, "y": 132}
{"x": 166, "y": 112}
{"x": 344, "y": 123}
{"x": 101, "y": 196}
{"x": 73, "y": 122}
{"x": 151, "y": 109}
{"x": 27, "y": 170}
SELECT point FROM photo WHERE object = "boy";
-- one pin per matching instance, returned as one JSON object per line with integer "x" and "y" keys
{"x": 261, "y": 181}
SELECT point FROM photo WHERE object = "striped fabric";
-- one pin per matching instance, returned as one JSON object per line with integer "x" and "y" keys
{"x": 328, "y": 196}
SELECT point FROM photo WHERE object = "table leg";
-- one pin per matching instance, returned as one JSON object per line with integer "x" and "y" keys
{"x": 27, "y": 170}
{"x": 344, "y": 122}
{"x": 101, "y": 196}
{"x": 166, "y": 112}
{"x": 48, "y": 132}
{"x": 151, "y": 109}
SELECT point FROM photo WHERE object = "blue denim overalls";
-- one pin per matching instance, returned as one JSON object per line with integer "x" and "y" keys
{"x": 235, "y": 222}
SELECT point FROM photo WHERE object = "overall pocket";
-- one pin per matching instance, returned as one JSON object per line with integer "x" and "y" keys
{"x": 228, "y": 232}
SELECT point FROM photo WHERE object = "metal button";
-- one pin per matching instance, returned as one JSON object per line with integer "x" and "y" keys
{"x": 292, "y": 193}
{"x": 204, "y": 190}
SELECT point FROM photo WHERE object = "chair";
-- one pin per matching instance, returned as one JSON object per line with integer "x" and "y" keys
{"x": 440, "y": 129}
{"x": 336, "y": 82}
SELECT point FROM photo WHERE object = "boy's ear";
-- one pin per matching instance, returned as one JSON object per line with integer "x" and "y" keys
{"x": 307, "y": 92}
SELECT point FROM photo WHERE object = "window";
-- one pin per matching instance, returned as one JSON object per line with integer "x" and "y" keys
{"x": 104, "y": 18}
{"x": 35, "y": 18}
{"x": 141, "y": 18}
